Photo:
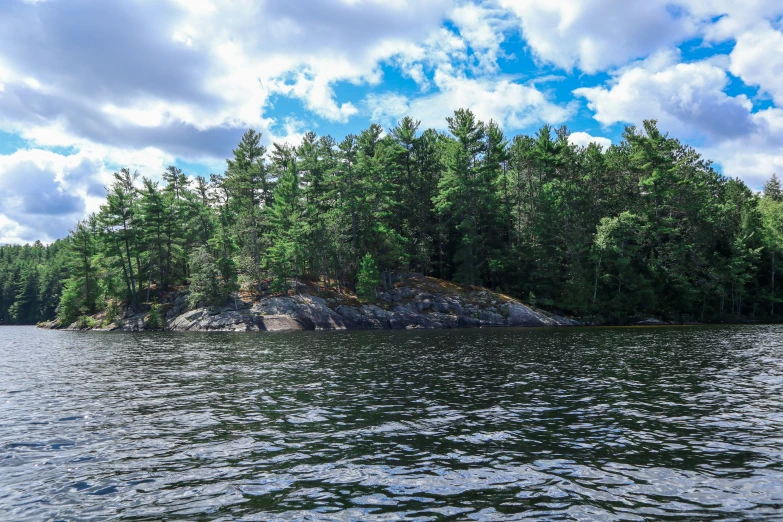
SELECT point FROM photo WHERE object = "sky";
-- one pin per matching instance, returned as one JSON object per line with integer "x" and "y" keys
{"x": 90, "y": 86}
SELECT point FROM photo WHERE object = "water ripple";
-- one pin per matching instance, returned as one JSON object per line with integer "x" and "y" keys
{"x": 568, "y": 424}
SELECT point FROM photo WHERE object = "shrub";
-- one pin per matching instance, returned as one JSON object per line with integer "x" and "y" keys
{"x": 154, "y": 319}
{"x": 85, "y": 321}
{"x": 112, "y": 311}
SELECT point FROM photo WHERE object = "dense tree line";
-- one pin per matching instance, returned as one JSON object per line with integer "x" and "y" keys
{"x": 31, "y": 281}
{"x": 645, "y": 227}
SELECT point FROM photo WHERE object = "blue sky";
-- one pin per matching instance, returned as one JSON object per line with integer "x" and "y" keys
{"x": 87, "y": 87}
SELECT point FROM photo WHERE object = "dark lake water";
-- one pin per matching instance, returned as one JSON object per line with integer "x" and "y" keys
{"x": 503, "y": 424}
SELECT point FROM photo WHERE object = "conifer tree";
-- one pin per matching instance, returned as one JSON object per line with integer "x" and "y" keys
{"x": 118, "y": 220}
{"x": 285, "y": 253}
{"x": 772, "y": 188}
{"x": 643, "y": 227}
{"x": 457, "y": 196}
{"x": 367, "y": 279}
{"x": 247, "y": 184}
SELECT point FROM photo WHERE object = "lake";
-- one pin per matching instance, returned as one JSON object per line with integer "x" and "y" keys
{"x": 677, "y": 423}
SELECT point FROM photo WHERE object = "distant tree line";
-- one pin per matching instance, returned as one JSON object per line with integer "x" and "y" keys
{"x": 645, "y": 227}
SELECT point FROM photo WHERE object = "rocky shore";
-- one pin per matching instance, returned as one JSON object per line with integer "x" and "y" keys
{"x": 415, "y": 302}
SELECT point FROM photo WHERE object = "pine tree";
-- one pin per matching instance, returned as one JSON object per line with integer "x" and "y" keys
{"x": 285, "y": 252}
{"x": 772, "y": 188}
{"x": 457, "y": 190}
{"x": 367, "y": 279}
{"x": 247, "y": 185}
{"x": 208, "y": 286}
{"x": 118, "y": 220}
{"x": 84, "y": 289}
{"x": 646, "y": 226}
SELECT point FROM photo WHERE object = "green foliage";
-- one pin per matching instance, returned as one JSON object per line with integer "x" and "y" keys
{"x": 112, "y": 313}
{"x": 773, "y": 190}
{"x": 285, "y": 254}
{"x": 31, "y": 280}
{"x": 85, "y": 322}
{"x": 644, "y": 227}
{"x": 70, "y": 301}
{"x": 367, "y": 280}
{"x": 209, "y": 285}
{"x": 155, "y": 320}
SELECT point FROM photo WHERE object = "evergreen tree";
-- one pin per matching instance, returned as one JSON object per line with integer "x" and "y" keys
{"x": 119, "y": 232}
{"x": 82, "y": 289}
{"x": 772, "y": 188}
{"x": 367, "y": 279}
{"x": 285, "y": 254}
{"x": 457, "y": 190}
{"x": 247, "y": 185}
{"x": 643, "y": 227}
{"x": 208, "y": 286}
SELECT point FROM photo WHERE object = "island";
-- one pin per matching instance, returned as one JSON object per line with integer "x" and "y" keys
{"x": 410, "y": 228}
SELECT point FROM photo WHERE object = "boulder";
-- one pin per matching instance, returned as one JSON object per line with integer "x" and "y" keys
{"x": 276, "y": 323}
{"x": 310, "y": 312}
{"x": 518, "y": 314}
{"x": 134, "y": 323}
{"x": 468, "y": 321}
{"x": 424, "y": 304}
{"x": 489, "y": 318}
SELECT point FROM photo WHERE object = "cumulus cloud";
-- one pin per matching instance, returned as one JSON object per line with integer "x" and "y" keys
{"x": 483, "y": 30}
{"x": 583, "y": 139}
{"x": 509, "y": 103}
{"x": 387, "y": 108}
{"x": 686, "y": 98}
{"x": 726, "y": 19}
{"x": 599, "y": 34}
{"x": 755, "y": 156}
{"x": 142, "y": 83}
{"x": 166, "y": 74}
{"x": 43, "y": 194}
{"x": 757, "y": 58}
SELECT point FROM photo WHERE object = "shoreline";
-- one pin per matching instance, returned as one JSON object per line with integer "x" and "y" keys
{"x": 414, "y": 302}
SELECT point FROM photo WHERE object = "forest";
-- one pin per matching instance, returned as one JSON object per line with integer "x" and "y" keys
{"x": 645, "y": 227}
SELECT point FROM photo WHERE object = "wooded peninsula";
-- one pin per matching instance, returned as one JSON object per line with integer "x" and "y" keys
{"x": 645, "y": 227}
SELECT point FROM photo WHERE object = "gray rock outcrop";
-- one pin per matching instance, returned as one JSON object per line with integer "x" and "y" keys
{"x": 419, "y": 302}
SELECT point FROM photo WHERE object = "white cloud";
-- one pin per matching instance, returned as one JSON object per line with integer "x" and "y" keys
{"x": 726, "y": 19}
{"x": 43, "y": 194}
{"x": 316, "y": 91}
{"x": 302, "y": 49}
{"x": 598, "y": 34}
{"x": 191, "y": 83}
{"x": 754, "y": 156}
{"x": 511, "y": 104}
{"x": 757, "y": 58}
{"x": 686, "y": 98}
{"x": 583, "y": 139}
{"x": 482, "y": 29}
{"x": 202, "y": 71}
{"x": 387, "y": 108}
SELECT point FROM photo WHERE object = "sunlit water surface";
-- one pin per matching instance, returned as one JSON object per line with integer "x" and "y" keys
{"x": 503, "y": 424}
